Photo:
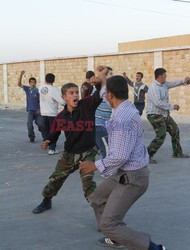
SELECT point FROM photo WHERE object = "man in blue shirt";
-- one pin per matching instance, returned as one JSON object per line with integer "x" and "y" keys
{"x": 126, "y": 170}
{"x": 32, "y": 107}
{"x": 103, "y": 113}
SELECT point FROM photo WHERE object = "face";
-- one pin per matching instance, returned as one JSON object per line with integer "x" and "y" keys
{"x": 71, "y": 97}
{"x": 32, "y": 83}
{"x": 109, "y": 74}
{"x": 138, "y": 77}
{"x": 109, "y": 98}
{"x": 162, "y": 78}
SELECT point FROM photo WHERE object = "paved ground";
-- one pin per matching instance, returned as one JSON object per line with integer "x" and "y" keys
{"x": 163, "y": 211}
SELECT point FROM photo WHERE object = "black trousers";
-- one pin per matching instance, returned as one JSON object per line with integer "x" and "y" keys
{"x": 48, "y": 122}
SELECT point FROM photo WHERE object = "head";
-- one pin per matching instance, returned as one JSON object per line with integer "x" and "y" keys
{"x": 50, "y": 78}
{"x": 110, "y": 72}
{"x": 70, "y": 94}
{"x": 86, "y": 89}
{"x": 160, "y": 75}
{"x": 32, "y": 82}
{"x": 89, "y": 74}
{"x": 116, "y": 89}
{"x": 139, "y": 76}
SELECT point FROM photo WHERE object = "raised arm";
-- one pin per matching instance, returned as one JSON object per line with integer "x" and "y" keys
{"x": 128, "y": 80}
{"x": 99, "y": 81}
{"x": 20, "y": 78}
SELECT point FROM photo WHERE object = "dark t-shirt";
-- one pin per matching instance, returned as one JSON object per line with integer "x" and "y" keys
{"x": 32, "y": 98}
{"x": 86, "y": 89}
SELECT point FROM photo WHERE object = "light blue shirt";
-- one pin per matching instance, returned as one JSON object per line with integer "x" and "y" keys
{"x": 158, "y": 97}
{"x": 103, "y": 113}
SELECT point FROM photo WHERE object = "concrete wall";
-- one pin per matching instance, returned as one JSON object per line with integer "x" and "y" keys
{"x": 176, "y": 61}
{"x": 173, "y": 41}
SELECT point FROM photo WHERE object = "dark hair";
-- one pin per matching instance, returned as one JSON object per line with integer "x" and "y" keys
{"x": 109, "y": 68}
{"x": 67, "y": 86}
{"x": 32, "y": 79}
{"x": 89, "y": 74}
{"x": 50, "y": 78}
{"x": 140, "y": 73}
{"x": 118, "y": 86}
{"x": 86, "y": 89}
{"x": 158, "y": 72}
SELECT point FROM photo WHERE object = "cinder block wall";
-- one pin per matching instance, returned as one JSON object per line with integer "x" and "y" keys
{"x": 175, "y": 60}
{"x": 177, "y": 64}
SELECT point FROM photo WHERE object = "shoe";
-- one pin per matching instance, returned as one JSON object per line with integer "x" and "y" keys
{"x": 45, "y": 205}
{"x": 106, "y": 242}
{"x": 180, "y": 156}
{"x": 152, "y": 161}
{"x": 161, "y": 247}
{"x": 32, "y": 140}
{"x": 52, "y": 152}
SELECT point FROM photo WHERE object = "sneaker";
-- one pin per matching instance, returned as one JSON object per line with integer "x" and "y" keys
{"x": 52, "y": 152}
{"x": 106, "y": 242}
{"x": 152, "y": 161}
{"x": 180, "y": 156}
{"x": 161, "y": 247}
{"x": 45, "y": 205}
{"x": 32, "y": 140}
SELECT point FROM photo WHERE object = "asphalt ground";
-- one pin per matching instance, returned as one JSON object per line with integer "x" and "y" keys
{"x": 163, "y": 211}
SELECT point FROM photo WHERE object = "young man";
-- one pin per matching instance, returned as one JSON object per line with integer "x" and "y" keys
{"x": 103, "y": 113}
{"x": 158, "y": 114}
{"x": 77, "y": 120}
{"x": 50, "y": 97}
{"x": 126, "y": 170}
{"x": 87, "y": 88}
{"x": 32, "y": 107}
{"x": 139, "y": 91}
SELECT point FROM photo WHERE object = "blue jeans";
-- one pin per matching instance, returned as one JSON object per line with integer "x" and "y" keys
{"x": 140, "y": 107}
{"x": 102, "y": 140}
{"x": 33, "y": 116}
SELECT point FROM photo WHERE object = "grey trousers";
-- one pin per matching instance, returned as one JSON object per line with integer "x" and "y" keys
{"x": 113, "y": 198}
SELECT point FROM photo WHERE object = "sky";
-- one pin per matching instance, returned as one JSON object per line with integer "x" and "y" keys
{"x": 42, "y": 29}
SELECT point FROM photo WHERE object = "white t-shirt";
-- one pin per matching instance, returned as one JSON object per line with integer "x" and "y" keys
{"x": 50, "y": 97}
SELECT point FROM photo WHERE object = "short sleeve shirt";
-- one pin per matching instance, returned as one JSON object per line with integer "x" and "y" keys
{"x": 32, "y": 98}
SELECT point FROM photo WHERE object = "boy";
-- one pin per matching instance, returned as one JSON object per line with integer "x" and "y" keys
{"x": 139, "y": 91}
{"x": 78, "y": 121}
{"x": 87, "y": 88}
{"x": 32, "y": 107}
{"x": 50, "y": 97}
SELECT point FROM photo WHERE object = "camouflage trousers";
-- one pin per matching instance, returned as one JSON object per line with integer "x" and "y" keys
{"x": 67, "y": 164}
{"x": 161, "y": 125}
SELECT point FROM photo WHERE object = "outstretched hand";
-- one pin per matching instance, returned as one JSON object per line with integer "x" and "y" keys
{"x": 44, "y": 145}
{"x": 87, "y": 166}
{"x": 22, "y": 72}
{"x": 187, "y": 80}
{"x": 101, "y": 74}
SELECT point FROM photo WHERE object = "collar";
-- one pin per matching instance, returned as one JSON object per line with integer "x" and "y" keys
{"x": 120, "y": 107}
{"x": 65, "y": 110}
{"x": 160, "y": 84}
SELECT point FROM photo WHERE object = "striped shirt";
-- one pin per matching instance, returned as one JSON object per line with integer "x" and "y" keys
{"x": 127, "y": 150}
{"x": 158, "y": 97}
{"x": 103, "y": 113}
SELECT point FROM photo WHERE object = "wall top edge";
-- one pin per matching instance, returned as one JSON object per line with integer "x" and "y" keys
{"x": 102, "y": 54}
